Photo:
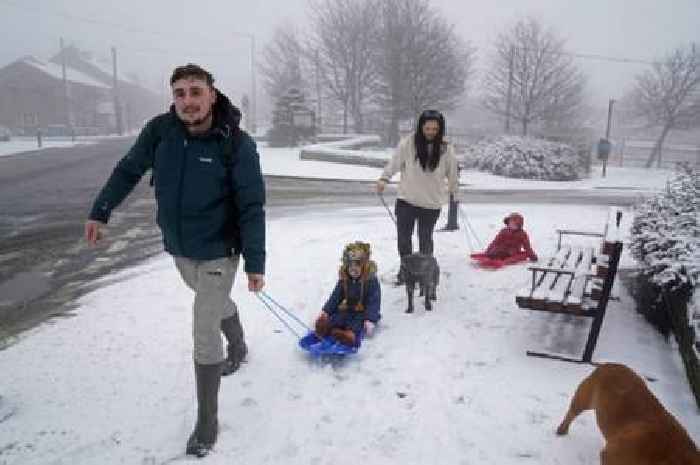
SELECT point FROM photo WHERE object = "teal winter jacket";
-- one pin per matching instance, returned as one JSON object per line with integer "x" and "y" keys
{"x": 209, "y": 188}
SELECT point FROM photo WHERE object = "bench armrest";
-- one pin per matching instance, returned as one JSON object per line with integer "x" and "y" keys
{"x": 571, "y": 232}
{"x": 571, "y": 271}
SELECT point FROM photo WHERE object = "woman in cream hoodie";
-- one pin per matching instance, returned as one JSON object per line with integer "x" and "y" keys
{"x": 426, "y": 162}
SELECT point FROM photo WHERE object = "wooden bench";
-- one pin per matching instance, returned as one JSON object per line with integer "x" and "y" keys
{"x": 577, "y": 281}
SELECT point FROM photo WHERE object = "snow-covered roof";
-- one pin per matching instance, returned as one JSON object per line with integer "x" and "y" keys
{"x": 106, "y": 67}
{"x": 72, "y": 75}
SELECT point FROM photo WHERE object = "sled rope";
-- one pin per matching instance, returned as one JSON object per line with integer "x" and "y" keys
{"x": 285, "y": 310}
{"x": 391, "y": 215}
{"x": 282, "y": 320}
{"x": 470, "y": 229}
{"x": 466, "y": 233}
{"x": 270, "y": 303}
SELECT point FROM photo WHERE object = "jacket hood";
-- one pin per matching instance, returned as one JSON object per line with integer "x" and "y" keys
{"x": 226, "y": 114}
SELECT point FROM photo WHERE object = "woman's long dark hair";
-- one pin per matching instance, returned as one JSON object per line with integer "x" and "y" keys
{"x": 427, "y": 159}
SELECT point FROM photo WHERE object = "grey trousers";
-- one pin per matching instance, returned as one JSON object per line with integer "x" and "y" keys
{"x": 211, "y": 281}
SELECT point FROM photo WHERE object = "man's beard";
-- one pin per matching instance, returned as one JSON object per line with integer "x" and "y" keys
{"x": 199, "y": 121}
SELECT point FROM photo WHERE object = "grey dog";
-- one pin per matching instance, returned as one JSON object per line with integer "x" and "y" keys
{"x": 422, "y": 270}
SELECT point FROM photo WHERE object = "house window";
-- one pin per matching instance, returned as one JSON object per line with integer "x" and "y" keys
{"x": 30, "y": 119}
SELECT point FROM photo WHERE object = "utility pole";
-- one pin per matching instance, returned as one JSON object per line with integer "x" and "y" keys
{"x": 66, "y": 97}
{"x": 252, "y": 125}
{"x": 319, "y": 107}
{"x": 607, "y": 132}
{"x": 253, "y": 97}
{"x": 115, "y": 91}
{"x": 509, "y": 98}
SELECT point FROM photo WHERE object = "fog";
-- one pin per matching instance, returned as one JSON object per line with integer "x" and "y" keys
{"x": 152, "y": 37}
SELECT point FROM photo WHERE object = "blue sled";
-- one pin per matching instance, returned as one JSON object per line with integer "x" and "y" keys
{"x": 326, "y": 346}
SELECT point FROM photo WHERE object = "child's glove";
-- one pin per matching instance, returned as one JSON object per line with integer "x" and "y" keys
{"x": 369, "y": 328}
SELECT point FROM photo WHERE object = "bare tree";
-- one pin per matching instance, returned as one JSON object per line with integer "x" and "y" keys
{"x": 668, "y": 95}
{"x": 422, "y": 62}
{"x": 282, "y": 64}
{"x": 531, "y": 78}
{"x": 342, "y": 42}
{"x": 438, "y": 67}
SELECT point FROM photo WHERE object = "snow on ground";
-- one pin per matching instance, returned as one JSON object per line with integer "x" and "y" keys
{"x": 624, "y": 178}
{"x": 28, "y": 144}
{"x": 114, "y": 383}
{"x": 347, "y": 142}
{"x": 286, "y": 162}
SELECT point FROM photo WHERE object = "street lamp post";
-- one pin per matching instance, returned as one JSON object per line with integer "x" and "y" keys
{"x": 252, "y": 117}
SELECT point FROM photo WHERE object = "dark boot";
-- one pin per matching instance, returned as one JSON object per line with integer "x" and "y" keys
{"x": 236, "y": 349}
{"x": 322, "y": 326}
{"x": 203, "y": 437}
{"x": 344, "y": 336}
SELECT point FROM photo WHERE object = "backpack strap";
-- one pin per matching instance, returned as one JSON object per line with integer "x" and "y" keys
{"x": 229, "y": 146}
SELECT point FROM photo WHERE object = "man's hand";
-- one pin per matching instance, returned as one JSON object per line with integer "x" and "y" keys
{"x": 369, "y": 328}
{"x": 381, "y": 184}
{"x": 93, "y": 231}
{"x": 256, "y": 282}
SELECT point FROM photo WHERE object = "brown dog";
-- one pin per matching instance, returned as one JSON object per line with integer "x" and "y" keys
{"x": 637, "y": 428}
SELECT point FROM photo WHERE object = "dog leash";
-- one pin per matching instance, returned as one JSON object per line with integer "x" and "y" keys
{"x": 391, "y": 215}
{"x": 269, "y": 303}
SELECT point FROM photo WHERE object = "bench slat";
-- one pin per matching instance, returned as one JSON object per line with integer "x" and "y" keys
{"x": 574, "y": 301}
{"x": 539, "y": 295}
{"x": 523, "y": 296}
{"x": 557, "y": 294}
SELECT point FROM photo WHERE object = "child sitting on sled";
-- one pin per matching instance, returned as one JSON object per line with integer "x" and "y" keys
{"x": 511, "y": 245}
{"x": 353, "y": 307}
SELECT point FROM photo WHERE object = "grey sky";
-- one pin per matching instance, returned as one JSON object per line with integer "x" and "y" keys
{"x": 204, "y": 32}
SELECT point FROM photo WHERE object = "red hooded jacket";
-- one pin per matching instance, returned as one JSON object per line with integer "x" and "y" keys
{"x": 509, "y": 242}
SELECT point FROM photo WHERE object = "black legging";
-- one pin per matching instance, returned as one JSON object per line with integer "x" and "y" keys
{"x": 406, "y": 216}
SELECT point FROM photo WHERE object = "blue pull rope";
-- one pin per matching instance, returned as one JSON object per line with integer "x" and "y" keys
{"x": 285, "y": 310}
{"x": 272, "y": 310}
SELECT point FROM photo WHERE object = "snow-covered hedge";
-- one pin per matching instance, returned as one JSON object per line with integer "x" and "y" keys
{"x": 525, "y": 157}
{"x": 666, "y": 242}
{"x": 666, "y": 235}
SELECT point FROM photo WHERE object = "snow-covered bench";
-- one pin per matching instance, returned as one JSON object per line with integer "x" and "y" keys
{"x": 577, "y": 281}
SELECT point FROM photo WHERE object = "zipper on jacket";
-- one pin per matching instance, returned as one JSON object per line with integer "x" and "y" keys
{"x": 183, "y": 166}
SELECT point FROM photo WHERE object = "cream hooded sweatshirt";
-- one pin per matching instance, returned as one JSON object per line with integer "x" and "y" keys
{"x": 425, "y": 189}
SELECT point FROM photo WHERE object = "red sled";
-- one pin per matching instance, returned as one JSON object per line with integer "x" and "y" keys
{"x": 494, "y": 263}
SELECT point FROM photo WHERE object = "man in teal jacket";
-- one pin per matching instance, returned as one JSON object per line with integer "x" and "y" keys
{"x": 210, "y": 195}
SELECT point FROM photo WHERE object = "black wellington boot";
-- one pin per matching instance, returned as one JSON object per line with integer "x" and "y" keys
{"x": 202, "y": 439}
{"x": 236, "y": 349}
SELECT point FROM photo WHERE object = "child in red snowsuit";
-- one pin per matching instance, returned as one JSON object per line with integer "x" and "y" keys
{"x": 512, "y": 241}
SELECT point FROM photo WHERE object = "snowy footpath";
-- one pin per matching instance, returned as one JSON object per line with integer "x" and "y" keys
{"x": 114, "y": 383}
